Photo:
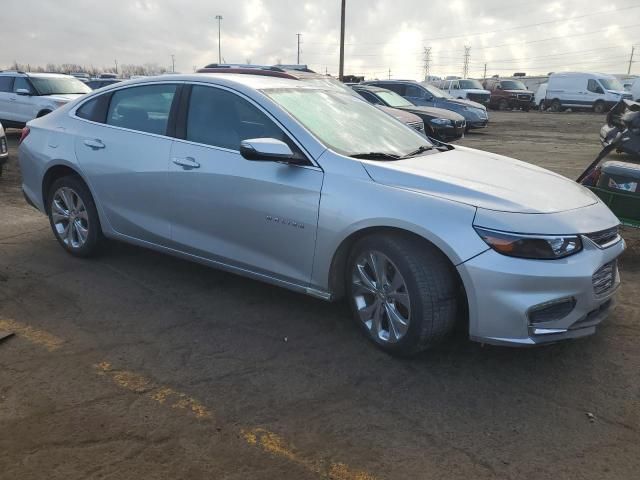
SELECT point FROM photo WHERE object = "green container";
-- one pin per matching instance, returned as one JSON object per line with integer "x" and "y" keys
{"x": 625, "y": 206}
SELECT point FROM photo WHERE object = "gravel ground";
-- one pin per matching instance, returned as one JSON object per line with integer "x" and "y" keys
{"x": 136, "y": 365}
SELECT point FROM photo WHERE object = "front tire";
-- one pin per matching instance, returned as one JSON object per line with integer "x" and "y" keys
{"x": 73, "y": 216}
{"x": 599, "y": 107}
{"x": 403, "y": 292}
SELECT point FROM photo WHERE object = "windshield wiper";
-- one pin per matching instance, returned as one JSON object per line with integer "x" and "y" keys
{"x": 419, "y": 150}
{"x": 376, "y": 156}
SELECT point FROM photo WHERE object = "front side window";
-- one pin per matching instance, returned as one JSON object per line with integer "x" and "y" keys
{"x": 59, "y": 85}
{"x": 6, "y": 83}
{"x": 21, "y": 83}
{"x": 470, "y": 84}
{"x": 399, "y": 88}
{"x": 346, "y": 124}
{"x": 144, "y": 108}
{"x": 593, "y": 86}
{"x": 223, "y": 119}
{"x": 414, "y": 92}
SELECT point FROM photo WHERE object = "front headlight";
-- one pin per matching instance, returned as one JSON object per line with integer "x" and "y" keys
{"x": 539, "y": 247}
{"x": 440, "y": 121}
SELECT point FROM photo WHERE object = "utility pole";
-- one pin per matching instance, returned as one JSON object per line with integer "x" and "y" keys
{"x": 298, "y": 35}
{"x": 467, "y": 54}
{"x": 427, "y": 63}
{"x": 116, "y": 62}
{"x": 633, "y": 49}
{"x": 173, "y": 63}
{"x": 219, "y": 18}
{"x": 389, "y": 74}
{"x": 484, "y": 75}
{"x": 341, "y": 66}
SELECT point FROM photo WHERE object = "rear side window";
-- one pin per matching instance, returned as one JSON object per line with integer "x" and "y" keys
{"x": 95, "y": 109}
{"x": 144, "y": 108}
{"x": 395, "y": 87}
{"x": 223, "y": 119}
{"x": 6, "y": 83}
{"x": 369, "y": 97}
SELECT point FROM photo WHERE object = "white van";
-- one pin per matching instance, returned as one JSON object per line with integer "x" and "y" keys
{"x": 541, "y": 94}
{"x": 597, "y": 91}
{"x": 465, "y": 88}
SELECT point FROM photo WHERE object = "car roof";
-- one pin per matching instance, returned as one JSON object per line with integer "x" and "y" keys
{"x": 369, "y": 88}
{"x": 35, "y": 75}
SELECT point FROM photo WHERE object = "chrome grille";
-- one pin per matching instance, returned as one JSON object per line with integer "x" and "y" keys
{"x": 419, "y": 126}
{"x": 524, "y": 96}
{"x": 604, "y": 279}
{"x": 3, "y": 145}
{"x": 478, "y": 97}
{"x": 604, "y": 238}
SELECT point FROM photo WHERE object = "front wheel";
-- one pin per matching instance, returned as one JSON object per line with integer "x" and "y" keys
{"x": 73, "y": 216}
{"x": 403, "y": 292}
{"x": 599, "y": 107}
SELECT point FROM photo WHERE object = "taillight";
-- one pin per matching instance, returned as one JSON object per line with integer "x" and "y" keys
{"x": 24, "y": 134}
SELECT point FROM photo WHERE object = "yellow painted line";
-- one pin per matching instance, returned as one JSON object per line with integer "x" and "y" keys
{"x": 161, "y": 394}
{"x": 33, "y": 335}
{"x": 267, "y": 441}
{"x": 276, "y": 446}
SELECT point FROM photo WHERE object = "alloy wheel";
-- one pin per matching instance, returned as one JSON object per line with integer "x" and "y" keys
{"x": 381, "y": 297}
{"x": 70, "y": 217}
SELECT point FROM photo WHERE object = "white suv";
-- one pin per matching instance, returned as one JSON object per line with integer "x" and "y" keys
{"x": 465, "y": 88}
{"x": 25, "y": 96}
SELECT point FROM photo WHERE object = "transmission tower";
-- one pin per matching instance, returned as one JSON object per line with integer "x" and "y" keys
{"x": 427, "y": 62}
{"x": 467, "y": 54}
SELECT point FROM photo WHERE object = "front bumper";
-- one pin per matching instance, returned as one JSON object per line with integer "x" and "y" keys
{"x": 504, "y": 291}
{"x": 449, "y": 132}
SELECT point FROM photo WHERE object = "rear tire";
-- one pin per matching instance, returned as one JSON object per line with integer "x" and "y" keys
{"x": 410, "y": 306}
{"x": 73, "y": 216}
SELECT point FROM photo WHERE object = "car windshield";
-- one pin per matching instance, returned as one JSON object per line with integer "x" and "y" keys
{"x": 469, "y": 84}
{"x": 512, "y": 85}
{"x": 393, "y": 99}
{"x": 59, "y": 85}
{"x": 347, "y": 124}
{"x": 611, "y": 84}
{"x": 436, "y": 92}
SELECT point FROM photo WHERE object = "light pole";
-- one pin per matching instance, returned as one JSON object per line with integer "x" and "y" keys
{"x": 173, "y": 63}
{"x": 341, "y": 65}
{"x": 219, "y": 18}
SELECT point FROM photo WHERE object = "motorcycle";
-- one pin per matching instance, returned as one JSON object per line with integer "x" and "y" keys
{"x": 617, "y": 183}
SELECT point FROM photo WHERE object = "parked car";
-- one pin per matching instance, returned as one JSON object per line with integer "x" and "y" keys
{"x": 439, "y": 123}
{"x": 539, "y": 97}
{"x": 635, "y": 90}
{"x": 424, "y": 94}
{"x": 4, "y": 149}
{"x": 313, "y": 189}
{"x": 96, "y": 83}
{"x": 595, "y": 91}
{"x": 506, "y": 94}
{"x": 24, "y": 96}
{"x": 84, "y": 77}
{"x": 465, "y": 88}
{"x": 108, "y": 75}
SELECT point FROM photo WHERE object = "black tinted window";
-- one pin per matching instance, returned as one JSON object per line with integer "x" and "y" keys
{"x": 143, "y": 108}
{"x": 369, "y": 97}
{"x": 594, "y": 87}
{"x": 95, "y": 109}
{"x": 6, "y": 83}
{"x": 395, "y": 87}
{"x": 413, "y": 91}
{"x": 223, "y": 119}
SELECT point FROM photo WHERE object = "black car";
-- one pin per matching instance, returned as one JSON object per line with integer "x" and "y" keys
{"x": 96, "y": 83}
{"x": 439, "y": 123}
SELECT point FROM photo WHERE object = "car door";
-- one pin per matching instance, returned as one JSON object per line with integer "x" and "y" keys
{"x": 23, "y": 105}
{"x": 123, "y": 148}
{"x": 254, "y": 215}
{"x": 6, "y": 96}
{"x": 416, "y": 95}
{"x": 592, "y": 93}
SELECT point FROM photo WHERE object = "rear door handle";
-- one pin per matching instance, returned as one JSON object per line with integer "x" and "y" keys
{"x": 94, "y": 144}
{"x": 187, "y": 162}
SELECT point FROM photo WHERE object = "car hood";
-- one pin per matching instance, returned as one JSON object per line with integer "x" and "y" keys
{"x": 484, "y": 180}
{"x": 520, "y": 91}
{"x": 619, "y": 92}
{"x": 434, "y": 112}
{"x": 461, "y": 102}
{"x": 63, "y": 97}
{"x": 477, "y": 90}
{"x": 403, "y": 116}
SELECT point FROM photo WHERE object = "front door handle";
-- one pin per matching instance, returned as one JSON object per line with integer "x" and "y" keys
{"x": 187, "y": 162}
{"x": 94, "y": 144}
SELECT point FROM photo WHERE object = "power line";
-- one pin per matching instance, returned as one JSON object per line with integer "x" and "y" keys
{"x": 467, "y": 54}
{"x": 298, "y": 35}
{"x": 427, "y": 61}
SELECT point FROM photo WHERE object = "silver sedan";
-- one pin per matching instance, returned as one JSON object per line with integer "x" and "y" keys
{"x": 317, "y": 191}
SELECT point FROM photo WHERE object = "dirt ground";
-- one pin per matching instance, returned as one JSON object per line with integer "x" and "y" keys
{"x": 136, "y": 365}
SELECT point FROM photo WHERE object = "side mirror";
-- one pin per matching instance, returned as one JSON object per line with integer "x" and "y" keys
{"x": 266, "y": 150}
{"x": 24, "y": 92}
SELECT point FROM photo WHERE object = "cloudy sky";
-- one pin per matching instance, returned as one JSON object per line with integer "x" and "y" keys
{"x": 508, "y": 35}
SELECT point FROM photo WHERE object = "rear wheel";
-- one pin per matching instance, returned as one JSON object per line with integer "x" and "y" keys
{"x": 599, "y": 107}
{"x": 73, "y": 216}
{"x": 403, "y": 292}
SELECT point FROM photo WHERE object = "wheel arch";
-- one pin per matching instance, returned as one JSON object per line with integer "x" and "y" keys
{"x": 337, "y": 270}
